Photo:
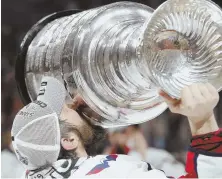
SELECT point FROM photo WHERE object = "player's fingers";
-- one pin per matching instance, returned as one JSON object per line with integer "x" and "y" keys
{"x": 205, "y": 91}
{"x": 196, "y": 92}
{"x": 187, "y": 97}
{"x": 213, "y": 91}
{"x": 168, "y": 99}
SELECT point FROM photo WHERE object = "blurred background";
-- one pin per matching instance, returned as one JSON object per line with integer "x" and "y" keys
{"x": 166, "y": 137}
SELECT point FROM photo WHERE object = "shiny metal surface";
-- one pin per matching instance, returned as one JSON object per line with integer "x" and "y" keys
{"x": 95, "y": 54}
{"x": 182, "y": 44}
{"x": 115, "y": 57}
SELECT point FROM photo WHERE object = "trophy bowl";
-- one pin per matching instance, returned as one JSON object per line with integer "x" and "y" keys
{"x": 182, "y": 44}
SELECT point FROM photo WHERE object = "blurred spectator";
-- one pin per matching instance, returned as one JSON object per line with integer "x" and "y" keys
{"x": 117, "y": 141}
{"x": 131, "y": 141}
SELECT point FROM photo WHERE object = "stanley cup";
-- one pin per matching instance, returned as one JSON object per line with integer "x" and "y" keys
{"x": 116, "y": 57}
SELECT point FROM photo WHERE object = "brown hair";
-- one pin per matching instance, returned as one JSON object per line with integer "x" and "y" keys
{"x": 92, "y": 138}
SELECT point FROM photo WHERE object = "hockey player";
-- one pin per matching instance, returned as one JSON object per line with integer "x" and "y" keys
{"x": 54, "y": 141}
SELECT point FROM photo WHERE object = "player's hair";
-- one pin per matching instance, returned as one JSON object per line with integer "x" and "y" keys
{"x": 65, "y": 129}
{"x": 93, "y": 145}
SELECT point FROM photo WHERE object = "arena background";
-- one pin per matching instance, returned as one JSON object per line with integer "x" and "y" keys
{"x": 168, "y": 132}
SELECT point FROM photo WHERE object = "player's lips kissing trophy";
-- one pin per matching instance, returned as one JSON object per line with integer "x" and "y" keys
{"x": 117, "y": 57}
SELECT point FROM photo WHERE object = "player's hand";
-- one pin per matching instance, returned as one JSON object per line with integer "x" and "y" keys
{"x": 197, "y": 103}
{"x": 197, "y": 100}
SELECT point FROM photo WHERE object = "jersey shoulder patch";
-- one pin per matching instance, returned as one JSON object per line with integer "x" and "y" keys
{"x": 103, "y": 164}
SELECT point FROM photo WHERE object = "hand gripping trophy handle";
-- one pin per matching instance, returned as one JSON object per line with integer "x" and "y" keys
{"x": 107, "y": 58}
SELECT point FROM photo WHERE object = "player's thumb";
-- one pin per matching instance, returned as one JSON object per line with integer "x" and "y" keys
{"x": 168, "y": 99}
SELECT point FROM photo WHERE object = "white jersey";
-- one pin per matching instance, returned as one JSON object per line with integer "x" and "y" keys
{"x": 101, "y": 166}
{"x": 11, "y": 167}
{"x": 204, "y": 160}
{"x": 163, "y": 160}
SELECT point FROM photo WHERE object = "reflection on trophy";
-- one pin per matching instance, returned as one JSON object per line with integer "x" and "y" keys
{"x": 116, "y": 57}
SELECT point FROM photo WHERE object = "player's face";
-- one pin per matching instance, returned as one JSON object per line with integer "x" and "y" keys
{"x": 92, "y": 136}
{"x": 71, "y": 117}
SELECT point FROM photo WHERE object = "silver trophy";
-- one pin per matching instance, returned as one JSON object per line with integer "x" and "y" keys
{"x": 116, "y": 57}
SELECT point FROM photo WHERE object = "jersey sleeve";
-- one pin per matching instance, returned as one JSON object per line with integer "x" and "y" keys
{"x": 204, "y": 158}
